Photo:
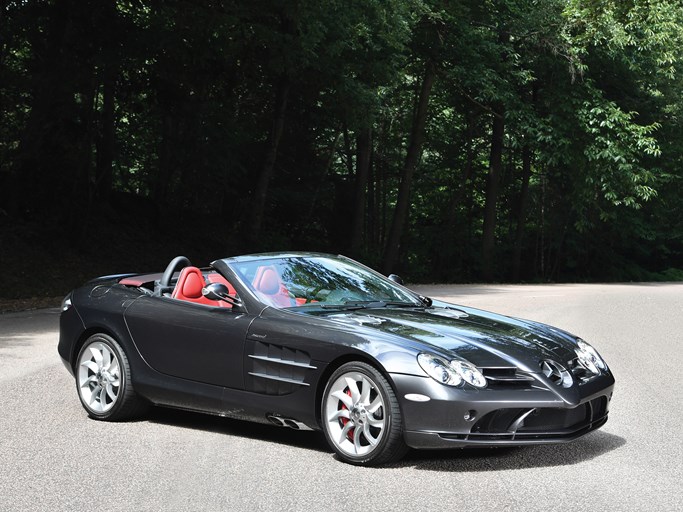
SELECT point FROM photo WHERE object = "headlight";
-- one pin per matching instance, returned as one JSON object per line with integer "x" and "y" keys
{"x": 469, "y": 373}
{"x": 439, "y": 370}
{"x": 589, "y": 358}
{"x": 451, "y": 373}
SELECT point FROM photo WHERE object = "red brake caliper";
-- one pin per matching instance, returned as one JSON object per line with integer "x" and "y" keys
{"x": 344, "y": 421}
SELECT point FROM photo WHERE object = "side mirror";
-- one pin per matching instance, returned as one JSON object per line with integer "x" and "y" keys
{"x": 396, "y": 279}
{"x": 218, "y": 291}
{"x": 426, "y": 301}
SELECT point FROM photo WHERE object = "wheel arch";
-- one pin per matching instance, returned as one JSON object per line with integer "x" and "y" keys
{"x": 337, "y": 363}
{"x": 85, "y": 335}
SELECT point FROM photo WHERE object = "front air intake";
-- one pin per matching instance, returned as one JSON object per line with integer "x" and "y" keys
{"x": 506, "y": 377}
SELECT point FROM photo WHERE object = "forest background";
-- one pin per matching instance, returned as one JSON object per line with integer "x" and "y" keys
{"x": 447, "y": 141}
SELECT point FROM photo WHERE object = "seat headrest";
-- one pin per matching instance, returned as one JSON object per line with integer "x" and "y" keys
{"x": 270, "y": 282}
{"x": 194, "y": 282}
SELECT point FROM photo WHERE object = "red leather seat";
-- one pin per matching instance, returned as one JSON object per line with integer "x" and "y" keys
{"x": 189, "y": 287}
{"x": 267, "y": 283}
{"x": 215, "y": 277}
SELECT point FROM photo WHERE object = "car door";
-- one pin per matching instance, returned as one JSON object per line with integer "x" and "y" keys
{"x": 190, "y": 341}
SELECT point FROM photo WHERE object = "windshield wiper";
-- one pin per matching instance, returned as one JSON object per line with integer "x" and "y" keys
{"x": 352, "y": 304}
{"x": 369, "y": 304}
{"x": 398, "y": 304}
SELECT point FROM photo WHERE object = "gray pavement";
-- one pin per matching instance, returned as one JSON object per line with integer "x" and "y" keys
{"x": 53, "y": 458}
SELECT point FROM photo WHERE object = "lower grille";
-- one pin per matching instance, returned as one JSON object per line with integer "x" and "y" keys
{"x": 530, "y": 437}
{"x": 539, "y": 423}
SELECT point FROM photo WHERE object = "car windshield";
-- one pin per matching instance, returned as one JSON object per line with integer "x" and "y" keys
{"x": 323, "y": 281}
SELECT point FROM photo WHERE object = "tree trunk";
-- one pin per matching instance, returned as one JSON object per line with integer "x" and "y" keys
{"x": 348, "y": 152}
{"x": 521, "y": 214}
{"x": 492, "y": 186}
{"x": 254, "y": 220}
{"x": 377, "y": 216}
{"x": 105, "y": 142}
{"x": 45, "y": 171}
{"x": 83, "y": 188}
{"x": 446, "y": 258}
{"x": 363, "y": 151}
{"x": 105, "y": 146}
{"x": 164, "y": 171}
{"x": 414, "y": 150}
{"x": 323, "y": 175}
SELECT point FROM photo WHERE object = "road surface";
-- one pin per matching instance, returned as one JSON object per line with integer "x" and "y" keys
{"x": 54, "y": 458}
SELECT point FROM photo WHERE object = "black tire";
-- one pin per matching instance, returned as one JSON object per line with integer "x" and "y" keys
{"x": 365, "y": 429}
{"x": 103, "y": 381}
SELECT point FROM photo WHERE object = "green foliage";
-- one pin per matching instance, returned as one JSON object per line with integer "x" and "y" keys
{"x": 169, "y": 106}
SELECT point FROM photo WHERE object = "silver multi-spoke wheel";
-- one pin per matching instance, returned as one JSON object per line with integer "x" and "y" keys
{"x": 103, "y": 380}
{"x": 355, "y": 413}
{"x": 99, "y": 379}
{"x": 361, "y": 417}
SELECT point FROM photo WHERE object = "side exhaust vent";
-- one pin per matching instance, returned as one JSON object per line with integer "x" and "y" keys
{"x": 287, "y": 422}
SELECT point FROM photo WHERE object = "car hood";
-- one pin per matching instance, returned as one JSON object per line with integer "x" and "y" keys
{"x": 484, "y": 338}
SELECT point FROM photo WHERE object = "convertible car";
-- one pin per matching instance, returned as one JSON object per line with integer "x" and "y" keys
{"x": 320, "y": 342}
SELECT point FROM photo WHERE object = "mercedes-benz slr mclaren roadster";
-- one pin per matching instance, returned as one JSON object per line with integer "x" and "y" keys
{"x": 321, "y": 342}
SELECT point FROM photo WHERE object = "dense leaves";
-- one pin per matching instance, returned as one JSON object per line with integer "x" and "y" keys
{"x": 446, "y": 140}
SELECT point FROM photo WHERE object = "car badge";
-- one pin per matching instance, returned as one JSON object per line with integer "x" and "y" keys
{"x": 557, "y": 373}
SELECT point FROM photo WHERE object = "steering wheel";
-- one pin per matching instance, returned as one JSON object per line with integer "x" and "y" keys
{"x": 312, "y": 296}
{"x": 176, "y": 263}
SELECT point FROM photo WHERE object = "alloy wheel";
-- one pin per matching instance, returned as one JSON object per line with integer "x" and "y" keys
{"x": 355, "y": 413}
{"x": 99, "y": 377}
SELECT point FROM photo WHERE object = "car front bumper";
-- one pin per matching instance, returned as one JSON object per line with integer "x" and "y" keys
{"x": 438, "y": 416}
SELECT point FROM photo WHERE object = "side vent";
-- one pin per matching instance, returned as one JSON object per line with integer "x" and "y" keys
{"x": 278, "y": 370}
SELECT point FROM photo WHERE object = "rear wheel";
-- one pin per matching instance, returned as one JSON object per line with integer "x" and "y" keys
{"x": 361, "y": 417}
{"x": 103, "y": 380}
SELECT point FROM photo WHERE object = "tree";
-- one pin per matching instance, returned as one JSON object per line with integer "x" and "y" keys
{"x": 506, "y": 139}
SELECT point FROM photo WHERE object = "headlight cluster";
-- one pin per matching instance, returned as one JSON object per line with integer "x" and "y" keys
{"x": 589, "y": 358}
{"x": 451, "y": 373}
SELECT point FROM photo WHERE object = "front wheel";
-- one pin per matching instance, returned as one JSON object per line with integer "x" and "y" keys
{"x": 361, "y": 417}
{"x": 103, "y": 380}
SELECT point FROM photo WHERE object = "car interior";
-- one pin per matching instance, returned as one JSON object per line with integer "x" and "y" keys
{"x": 187, "y": 285}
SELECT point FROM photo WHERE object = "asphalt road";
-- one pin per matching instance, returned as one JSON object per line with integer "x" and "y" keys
{"x": 53, "y": 458}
